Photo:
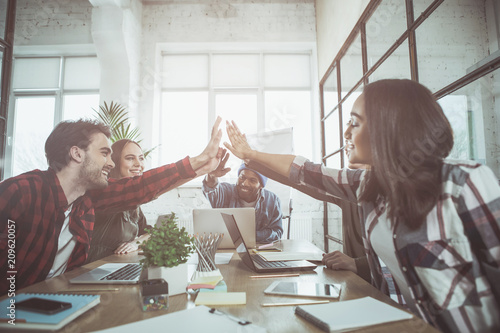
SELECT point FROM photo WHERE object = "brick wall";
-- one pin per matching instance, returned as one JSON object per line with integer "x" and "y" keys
{"x": 52, "y": 22}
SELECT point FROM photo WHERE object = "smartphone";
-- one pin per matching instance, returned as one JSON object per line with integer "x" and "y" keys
{"x": 42, "y": 305}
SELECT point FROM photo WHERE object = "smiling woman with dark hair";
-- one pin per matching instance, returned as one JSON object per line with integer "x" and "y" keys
{"x": 434, "y": 222}
{"x": 120, "y": 232}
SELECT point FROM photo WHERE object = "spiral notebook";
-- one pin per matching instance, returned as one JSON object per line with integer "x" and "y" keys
{"x": 36, "y": 321}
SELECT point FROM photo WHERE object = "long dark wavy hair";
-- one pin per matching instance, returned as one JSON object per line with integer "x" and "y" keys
{"x": 117, "y": 149}
{"x": 410, "y": 136}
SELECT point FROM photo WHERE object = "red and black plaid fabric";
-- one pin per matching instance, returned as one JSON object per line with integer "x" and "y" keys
{"x": 451, "y": 264}
{"x": 32, "y": 207}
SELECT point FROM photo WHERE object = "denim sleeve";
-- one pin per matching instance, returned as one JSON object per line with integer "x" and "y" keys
{"x": 219, "y": 196}
{"x": 270, "y": 229}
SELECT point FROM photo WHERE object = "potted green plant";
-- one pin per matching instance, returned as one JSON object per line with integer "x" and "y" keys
{"x": 115, "y": 116}
{"x": 166, "y": 253}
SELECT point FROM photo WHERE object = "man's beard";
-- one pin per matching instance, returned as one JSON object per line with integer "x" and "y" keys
{"x": 91, "y": 175}
{"x": 247, "y": 196}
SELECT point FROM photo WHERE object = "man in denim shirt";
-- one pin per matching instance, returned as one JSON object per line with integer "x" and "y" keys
{"x": 249, "y": 191}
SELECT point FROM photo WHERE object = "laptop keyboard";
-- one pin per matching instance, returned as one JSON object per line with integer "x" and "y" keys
{"x": 128, "y": 272}
{"x": 268, "y": 264}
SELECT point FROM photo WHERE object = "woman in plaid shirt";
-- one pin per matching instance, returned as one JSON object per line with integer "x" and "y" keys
{"x": 434, "y": 222}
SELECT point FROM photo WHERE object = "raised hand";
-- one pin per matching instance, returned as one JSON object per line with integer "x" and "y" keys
{"x": 209, "y": 159}
{"x": 239, "y": 145}
{"x": 211, "y": 164}
{"x": 221, "y": 169}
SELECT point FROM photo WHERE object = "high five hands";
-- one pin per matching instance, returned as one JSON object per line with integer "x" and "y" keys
{"x": 239, "y": 145}
{"x": 213, "y": 158}
{"x": 221, "y": 169}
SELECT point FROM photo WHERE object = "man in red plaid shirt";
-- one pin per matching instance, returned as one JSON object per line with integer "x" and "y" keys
{"x": 47, "y": 217}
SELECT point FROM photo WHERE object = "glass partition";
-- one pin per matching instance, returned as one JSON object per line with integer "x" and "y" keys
{"x": 473, "y": 112}
{"x": 351, "y": 65}
{"x": 420, "y": 6}
{"x": 383, "y": 28}
{"x": 454, "y": 51}
{"x": 397, "y": 66}
{"x": 450, "y": 41}
{"x": 2, "y": 51}
{"x": 330, "y": 92}
{"x": 332, "y": 137}
{"x": 3, "y": 18}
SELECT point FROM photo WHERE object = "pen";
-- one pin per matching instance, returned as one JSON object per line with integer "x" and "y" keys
{"x": 293, "y": 304}
{"x": 238, "y": 320}
{"x": 273, "y": 276}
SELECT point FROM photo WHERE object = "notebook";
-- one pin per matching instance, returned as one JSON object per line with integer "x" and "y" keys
{"x": 112, "y": 273}
{"x": 350, "y": 315}
{"x": 27, "y": 320}
{"x": 255, "y": 262}
{"x": 209, "y": 220}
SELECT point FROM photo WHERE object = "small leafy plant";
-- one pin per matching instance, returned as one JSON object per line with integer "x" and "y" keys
{"x": 168, "y": 245}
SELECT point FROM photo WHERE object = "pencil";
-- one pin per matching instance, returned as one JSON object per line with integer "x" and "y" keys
{"x": 293, "y": 304}
{"x": 273, "y": 276}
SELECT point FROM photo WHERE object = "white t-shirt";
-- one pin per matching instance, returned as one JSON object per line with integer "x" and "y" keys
{"x": 66, "y": 245}
{"x": 382, "y": 242}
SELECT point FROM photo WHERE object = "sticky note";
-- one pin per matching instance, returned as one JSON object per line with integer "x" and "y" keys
{"x": 233, "y": 298}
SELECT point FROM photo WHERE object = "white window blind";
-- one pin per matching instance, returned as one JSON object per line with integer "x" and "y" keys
{"x": 36, "y": 73}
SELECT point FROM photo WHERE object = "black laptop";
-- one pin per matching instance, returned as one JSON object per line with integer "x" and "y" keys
{"x": 254, "y": 261}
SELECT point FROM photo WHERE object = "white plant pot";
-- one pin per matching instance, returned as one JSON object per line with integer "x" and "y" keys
{"x": 176, "y": 277}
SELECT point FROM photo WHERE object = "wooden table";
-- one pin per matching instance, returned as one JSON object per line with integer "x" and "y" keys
{"x": 122, "y": 307}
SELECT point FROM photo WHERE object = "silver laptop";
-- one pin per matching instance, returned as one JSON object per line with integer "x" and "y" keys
{"x": 209, "y": 220}
{"x": 256, "y": 262}
{"x": 112, "y": 273}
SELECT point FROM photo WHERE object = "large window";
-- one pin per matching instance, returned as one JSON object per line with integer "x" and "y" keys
{"x": 260, "y": 91}
{"x": 45, "y": 91}
{"x": 450, "y": 46}
{"x": 7, "y": 25}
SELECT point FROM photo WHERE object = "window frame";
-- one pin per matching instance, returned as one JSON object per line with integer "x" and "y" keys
{"x": 484, "y": 67}
{"x": 211, "y": 49}
{"x": 58, "y": 93}
{"x": 7, "y": 47}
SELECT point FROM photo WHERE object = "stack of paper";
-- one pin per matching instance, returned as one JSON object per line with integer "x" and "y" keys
{"x": 208, "y": 282}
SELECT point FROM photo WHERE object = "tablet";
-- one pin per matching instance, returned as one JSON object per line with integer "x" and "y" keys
{"x": 307, "y": 289}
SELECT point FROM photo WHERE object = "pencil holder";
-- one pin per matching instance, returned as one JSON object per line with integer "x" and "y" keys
{"x": 206, "y": 246}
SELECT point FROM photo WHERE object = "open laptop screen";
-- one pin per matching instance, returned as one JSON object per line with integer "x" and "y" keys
{"x": 209, "y": 220}
{"x": 235, "y": 234}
